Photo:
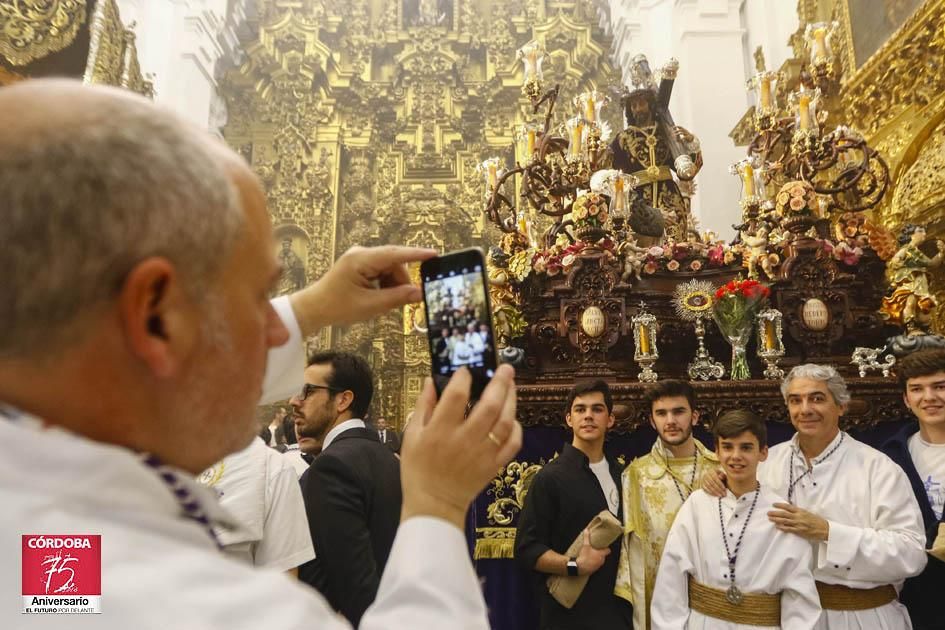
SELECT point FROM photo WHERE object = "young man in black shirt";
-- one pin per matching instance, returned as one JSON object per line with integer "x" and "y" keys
{"x": 920, "y": 450}
{"x": 565, "y": 495}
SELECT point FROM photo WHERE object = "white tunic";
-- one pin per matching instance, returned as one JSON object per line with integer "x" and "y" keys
{"x": 260, "y": 488}
{"x": 768, "y": 561}
{"x": 162, "y": 570}
{"x": 876, "y": 534}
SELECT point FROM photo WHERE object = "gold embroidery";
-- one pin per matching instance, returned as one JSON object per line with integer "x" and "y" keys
{"x": 32, "y": 29}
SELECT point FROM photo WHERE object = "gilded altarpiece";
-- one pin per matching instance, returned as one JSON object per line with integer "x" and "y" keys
{"x": 366, "y": 119}
{"x": 891, "y": 68}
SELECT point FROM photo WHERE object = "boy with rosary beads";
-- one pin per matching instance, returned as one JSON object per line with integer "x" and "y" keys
{"x": 654, "y": 488}
{"x": 725, "y": 566}
{"x": 853, "y": 505}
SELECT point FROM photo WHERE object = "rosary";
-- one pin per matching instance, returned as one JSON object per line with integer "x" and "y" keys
{"x": 188, "y": 503}
{"x": 733, "y": 595}
{"x": 793, "y": 482}
{"x": 692, "y": 481}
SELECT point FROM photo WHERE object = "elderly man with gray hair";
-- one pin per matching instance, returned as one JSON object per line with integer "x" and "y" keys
{"x": 852, "y": 502}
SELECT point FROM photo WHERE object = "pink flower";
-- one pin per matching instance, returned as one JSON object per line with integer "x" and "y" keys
{"x": 593, "y": 209}
{"x": 649, "y": 267}
{"x": 567, "y": 261}
{"x": 672, "y": 265}
{"x": 656, "y": 251}
{"x": 798, "y": 203}
{"x": 716, "y": 254}
{"x": 695, "y": 265}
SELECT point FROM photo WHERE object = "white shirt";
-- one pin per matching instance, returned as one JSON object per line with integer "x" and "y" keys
{"x": 601, "y": 470}
{"x": 929, "y": 460}
{"x": 768, "y": 561}
{"x": 353, "y": 423}
{"x": 261, "y": 490}
{"x": 293, "y": 455}
{"x": 876, "y": 533}
{"x": 161, "y": 570}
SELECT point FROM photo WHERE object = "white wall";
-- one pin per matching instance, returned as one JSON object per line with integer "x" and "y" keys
{"x": 180, "y": 43}
{"x": 714, "y": 41}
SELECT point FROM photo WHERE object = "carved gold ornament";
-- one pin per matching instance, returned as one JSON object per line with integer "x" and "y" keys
{"x": 32, "y": 29}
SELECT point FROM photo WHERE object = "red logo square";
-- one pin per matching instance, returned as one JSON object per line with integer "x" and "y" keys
{"x": 61, "y": 571}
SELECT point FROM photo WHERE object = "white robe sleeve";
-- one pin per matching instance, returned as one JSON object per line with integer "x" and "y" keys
{"x": 800, "y": 603}
{"x": 285, "y": 364}
{"x": 429, "y": 581}
{"x": 892, "y": 546}
{"x": 670, "y": 607}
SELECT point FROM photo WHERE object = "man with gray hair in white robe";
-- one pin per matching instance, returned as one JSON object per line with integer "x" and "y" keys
{"x": 852, "y": 502}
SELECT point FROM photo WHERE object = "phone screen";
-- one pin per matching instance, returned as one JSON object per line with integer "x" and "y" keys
{"x": 459, "y": 322}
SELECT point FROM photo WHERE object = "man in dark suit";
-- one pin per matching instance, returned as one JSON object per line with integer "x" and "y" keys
{"x": 389, "y": 437}
{"x": 352, "y": 489}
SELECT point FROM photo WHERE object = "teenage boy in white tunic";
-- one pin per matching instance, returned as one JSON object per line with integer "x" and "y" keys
{"x": 725, "y": 565}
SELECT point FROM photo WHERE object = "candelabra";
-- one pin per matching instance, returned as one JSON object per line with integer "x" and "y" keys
{"x": 644, "y": 338}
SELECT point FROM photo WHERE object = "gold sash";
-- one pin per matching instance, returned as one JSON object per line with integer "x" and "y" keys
{"x": 756, "y": 609}
{"x": 839, "y": 597}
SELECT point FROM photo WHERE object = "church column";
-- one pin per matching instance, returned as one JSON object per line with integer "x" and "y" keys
{"x": 182, "y": 42}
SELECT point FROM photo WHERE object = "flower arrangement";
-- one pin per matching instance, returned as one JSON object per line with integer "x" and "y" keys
{"x": 735, "y": 309}
{"x": 797, "y": 198}
{"x": 590, "y": 214}
{"x": 563, "y": 254}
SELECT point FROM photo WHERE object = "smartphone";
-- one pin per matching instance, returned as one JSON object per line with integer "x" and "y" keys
{"x": 459, "y": 318}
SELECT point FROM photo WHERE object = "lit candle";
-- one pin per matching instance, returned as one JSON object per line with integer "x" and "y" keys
{"x": 618, "y": 194}
{"x": 576, "y": 132}
{"x": 589, "y": 109}
{"x": 522, "y": 225}
{"x": 803, "y": 111}
{"x": 644, "y": 340}
{"x": 765, "y": 92}
{"x": 492, "y": 175}
{"x": 748, "y": 179}
{"x": 820, "y": 43}
{"x": 530, "y": 144}
{"x": 771, "y": 342}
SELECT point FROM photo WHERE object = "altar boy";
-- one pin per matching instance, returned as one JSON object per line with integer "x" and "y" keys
{"x": 725, "y": 565}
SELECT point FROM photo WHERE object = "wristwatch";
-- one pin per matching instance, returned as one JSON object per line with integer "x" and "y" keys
{"x": 572, "y": 567}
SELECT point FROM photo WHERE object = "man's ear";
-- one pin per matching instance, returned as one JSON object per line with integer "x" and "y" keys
{"x": 159, "y": 321}
{"x": 610, "y": 421}
{"x": 763, "y": 454}
{"x": 344, "y": 401}
{"x": 567, "y": 420}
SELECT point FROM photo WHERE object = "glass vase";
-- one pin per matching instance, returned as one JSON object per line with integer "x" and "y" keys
{"x": 738, "y": 339}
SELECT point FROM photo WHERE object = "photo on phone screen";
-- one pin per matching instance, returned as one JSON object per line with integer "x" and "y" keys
{"x": 459, "y": 322}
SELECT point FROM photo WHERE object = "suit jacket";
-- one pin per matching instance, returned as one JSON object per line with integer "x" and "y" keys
{"x": 393, "y": 439}
{"x": 352, "y": 499}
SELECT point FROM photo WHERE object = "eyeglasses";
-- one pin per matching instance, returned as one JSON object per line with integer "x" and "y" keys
{"x": 309, "y": 388}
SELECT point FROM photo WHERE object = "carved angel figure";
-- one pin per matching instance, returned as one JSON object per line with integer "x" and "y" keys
{"x": 757, "y": 254}
{"x": 633, "y": 258}
{"x": 910, "y": 303}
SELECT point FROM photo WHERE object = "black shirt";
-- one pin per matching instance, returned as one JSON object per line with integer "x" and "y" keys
{"x": 562, "y": 500}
